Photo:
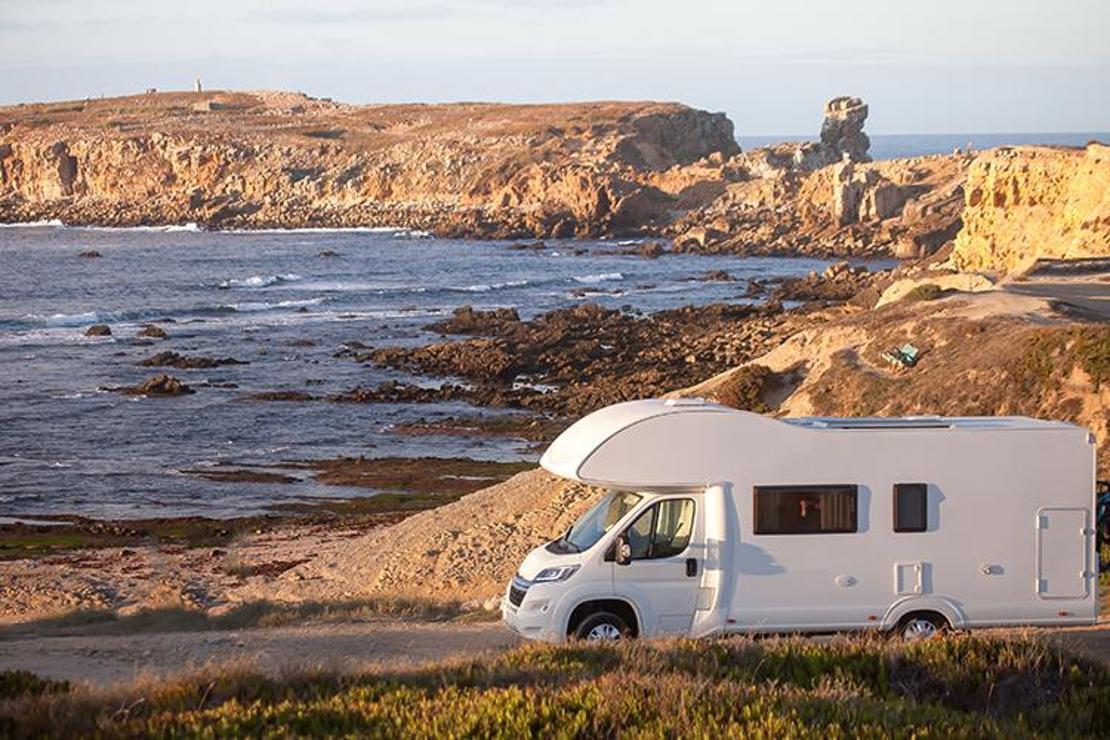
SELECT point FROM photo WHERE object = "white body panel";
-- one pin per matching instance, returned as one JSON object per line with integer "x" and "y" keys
{"x": 1010, "y": 511}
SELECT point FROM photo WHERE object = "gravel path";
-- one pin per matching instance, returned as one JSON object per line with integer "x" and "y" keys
{"x": 105, "y": 660}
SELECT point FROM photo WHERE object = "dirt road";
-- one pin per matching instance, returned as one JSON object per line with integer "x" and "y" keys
{"x": 349, "y": 647}
{"x": 105, "y": 660}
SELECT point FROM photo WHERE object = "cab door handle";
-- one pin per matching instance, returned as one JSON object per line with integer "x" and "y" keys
{"x": 691, "y": 567}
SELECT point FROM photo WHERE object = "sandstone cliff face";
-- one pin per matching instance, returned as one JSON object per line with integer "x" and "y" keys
{"x": 275, "y": 159}
{"x": 1029, "y": 202}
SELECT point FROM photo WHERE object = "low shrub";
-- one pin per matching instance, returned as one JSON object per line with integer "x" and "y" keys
{"x": 963, "y": 685}
{"x": 924, "y": 292}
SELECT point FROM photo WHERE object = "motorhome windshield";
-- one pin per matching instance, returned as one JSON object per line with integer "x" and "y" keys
{"x": 589, "y": 528}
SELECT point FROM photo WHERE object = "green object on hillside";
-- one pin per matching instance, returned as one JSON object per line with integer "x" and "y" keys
{"x": 905, "y": 356}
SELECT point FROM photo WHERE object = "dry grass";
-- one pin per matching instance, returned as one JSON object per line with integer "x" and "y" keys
{"x": 963, "y": 685}
{"x": 258, "y": 614}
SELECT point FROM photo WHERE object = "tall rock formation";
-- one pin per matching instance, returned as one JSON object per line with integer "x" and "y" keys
{"x": 1023, "y": 203}
{"x": 842, "y": 129}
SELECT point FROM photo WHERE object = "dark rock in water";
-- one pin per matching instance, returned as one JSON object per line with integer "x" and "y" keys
{"x": 90, "y": 254}
{"x": 150, "y": 330}
{"x": 159, "y": 385}
{"x": 528, "y": 246}
{"x": 467, "y": 320}
{"x": 98, "y": 330}
{"x": 281, "y": 396}
{"x": 651, "y": 250}
{"x": 717, "y": 276}
{"x": 242, "y": 475}
{"x": 327, "y": 253}
{"x": 181, "y": 362}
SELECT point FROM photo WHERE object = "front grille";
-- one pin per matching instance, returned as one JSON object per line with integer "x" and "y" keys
{"x": 517, "y": 589}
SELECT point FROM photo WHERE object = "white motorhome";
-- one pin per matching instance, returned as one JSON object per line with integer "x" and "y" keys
{"x": 718, "y": 520}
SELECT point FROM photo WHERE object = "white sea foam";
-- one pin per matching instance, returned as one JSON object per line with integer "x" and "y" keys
{"x": 322, "y": 230}
{"x": 259, "y": 281}
{"x": 69, "y": 319}
{"x": 601, "y": 277}
{"x": 266, "y": 306}
{"x": 52, "y": 223}
{"x": 191, "y": 228}
{"x": 484, "y": 288}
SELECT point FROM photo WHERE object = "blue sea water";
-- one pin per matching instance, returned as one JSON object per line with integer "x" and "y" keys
{"x": 898, "y": 146}
{"x": 268, "y": 299}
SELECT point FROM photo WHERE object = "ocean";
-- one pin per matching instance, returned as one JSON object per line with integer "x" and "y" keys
{"x": 269, "y": 299}
{"x": 898, "y": 146}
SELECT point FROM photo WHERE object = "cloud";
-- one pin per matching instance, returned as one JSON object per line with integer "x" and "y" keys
{"x": 401, "y": 11}
{"x": 317, "y": 14}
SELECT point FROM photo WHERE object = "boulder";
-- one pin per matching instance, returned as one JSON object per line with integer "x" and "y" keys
{"x": 98, "y": 330}
{"x": 159, "y": 385}
{"x": 152, "y": 331}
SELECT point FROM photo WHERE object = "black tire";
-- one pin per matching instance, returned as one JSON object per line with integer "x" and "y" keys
{"x": 917, "y": 625}
{"x": 603, "y": 626}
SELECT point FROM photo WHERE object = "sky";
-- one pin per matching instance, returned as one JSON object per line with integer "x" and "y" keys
{"x": 943, "y": 66}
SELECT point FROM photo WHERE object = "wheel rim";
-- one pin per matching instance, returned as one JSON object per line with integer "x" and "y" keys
{"x": 919, "y": 629}
{"x": 604, "y": 631}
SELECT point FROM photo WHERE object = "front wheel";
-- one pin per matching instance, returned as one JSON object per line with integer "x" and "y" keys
{"x": 602, "y": 627}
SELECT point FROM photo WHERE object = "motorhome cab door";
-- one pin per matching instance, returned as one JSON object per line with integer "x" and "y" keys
{"x": 667, "y": 558}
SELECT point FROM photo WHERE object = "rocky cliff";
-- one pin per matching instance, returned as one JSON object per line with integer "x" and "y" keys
{"x": 1029, "y": 202}
{"x": 281, "y": 159}
{"x": 822, "y": 197}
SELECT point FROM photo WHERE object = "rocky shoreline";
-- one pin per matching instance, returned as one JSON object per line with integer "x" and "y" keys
{"x": 471, "y": 171}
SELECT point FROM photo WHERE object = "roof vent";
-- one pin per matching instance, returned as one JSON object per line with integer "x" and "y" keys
{"x": 685, "y": 402}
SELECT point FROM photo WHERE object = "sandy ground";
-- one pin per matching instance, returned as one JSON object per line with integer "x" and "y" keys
{"x": 129, "y": 580}
{"x": 103, "y": 661}
{"x": 350, "y": 647}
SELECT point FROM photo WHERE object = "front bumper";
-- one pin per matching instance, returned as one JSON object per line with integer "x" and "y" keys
{"x": 532, "y": 618}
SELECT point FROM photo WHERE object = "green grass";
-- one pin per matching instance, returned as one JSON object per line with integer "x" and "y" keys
{"x": 968, "y": 686}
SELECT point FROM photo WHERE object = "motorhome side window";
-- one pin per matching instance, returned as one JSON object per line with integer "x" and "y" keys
{"x": 663, "y": 530}
{"x": 813, "y": 509}
{"x": 911, "y": 512}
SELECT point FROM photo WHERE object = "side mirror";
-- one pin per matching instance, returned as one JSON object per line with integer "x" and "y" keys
{"x": 622, "y": 550}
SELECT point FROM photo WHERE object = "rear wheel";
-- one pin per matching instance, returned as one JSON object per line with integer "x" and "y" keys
{"x": 921, "y": 626}
{"x": 602, "y": 627}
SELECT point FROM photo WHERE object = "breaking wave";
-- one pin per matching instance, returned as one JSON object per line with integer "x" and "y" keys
{"x": 259, "y": 281}
{"x": 601, "y": 277}
{"x": 250, "y": 307}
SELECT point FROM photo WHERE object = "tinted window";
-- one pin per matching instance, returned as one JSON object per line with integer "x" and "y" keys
{"x": 663, "y": 530}
{"x": 673, "y": 526}
{"x": 804, "y": 509}
{"x": 911, "y": 512}
{"x": 639, "y": 534}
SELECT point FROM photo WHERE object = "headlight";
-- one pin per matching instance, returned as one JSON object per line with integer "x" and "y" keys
{"x": 550, "y": 575}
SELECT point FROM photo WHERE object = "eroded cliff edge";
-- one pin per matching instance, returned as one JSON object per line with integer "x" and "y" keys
{"x": 1025, "y": 203}
{"x": 282, "y": 160}
{"x": 253, "y": 160}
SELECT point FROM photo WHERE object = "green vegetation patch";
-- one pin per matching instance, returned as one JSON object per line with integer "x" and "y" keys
{"x": 964, "y": 685}
{"x": 924, "y": 292}
{"x": 14, "y": 684}
{"x": 747, "y": 388}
